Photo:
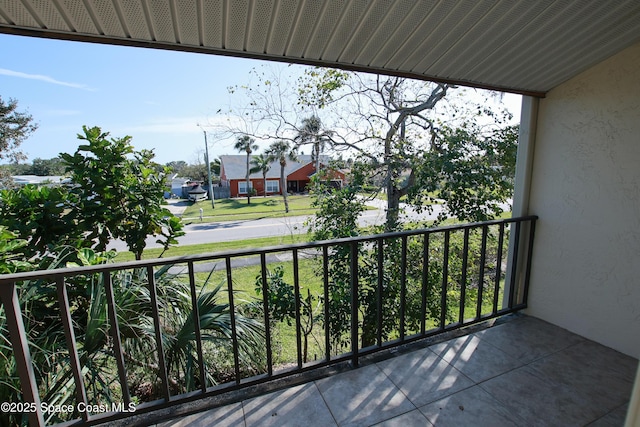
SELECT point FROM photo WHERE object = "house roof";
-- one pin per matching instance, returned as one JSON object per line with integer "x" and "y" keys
{"x": 235, "y": 166}
{"x": 520, "y": 46}
{"x": 38, "y": 180}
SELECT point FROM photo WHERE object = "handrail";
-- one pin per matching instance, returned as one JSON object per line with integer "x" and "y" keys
{"x": 378, "y": 271}
{"x": 30, "y": 275}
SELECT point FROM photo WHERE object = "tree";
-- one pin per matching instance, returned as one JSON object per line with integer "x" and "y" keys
{"x": 247, "y": 144}
{"x": 281, "y": 303}
{"x": 177, "y": 166}
{"x": 119, "y": 197}
{"x": 312, "y": 133}
{"x": 45, "y": 217}
{"x": 261, "y": 163}
{"x": 15, "y": 127}
{"x": 394, "y": 122}
{"x": 47, "y": 167}
{"x": 396, "y": 125}
{"x": 336, "y": 217}
{"x": 281, "y": 151}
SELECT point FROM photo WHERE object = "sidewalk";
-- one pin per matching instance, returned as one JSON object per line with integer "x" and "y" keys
{"x": 177, "y": 206}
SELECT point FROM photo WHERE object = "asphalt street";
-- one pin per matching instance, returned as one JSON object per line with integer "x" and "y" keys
{"x": 197, "y": 232}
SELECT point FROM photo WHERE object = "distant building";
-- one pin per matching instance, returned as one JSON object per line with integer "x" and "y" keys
{"x": 40, "y": 180}
{"x": 233, "y": 171}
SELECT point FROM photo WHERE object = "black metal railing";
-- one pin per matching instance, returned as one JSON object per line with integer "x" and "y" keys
{"x": 284, "y": 310}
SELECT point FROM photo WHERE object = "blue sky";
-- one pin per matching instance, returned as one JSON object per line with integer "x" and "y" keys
{"x": 157, "y": 97}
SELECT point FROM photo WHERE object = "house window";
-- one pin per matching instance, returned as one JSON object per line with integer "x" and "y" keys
{"x": 242, "y": 187}
{"x": 273, "y": 187}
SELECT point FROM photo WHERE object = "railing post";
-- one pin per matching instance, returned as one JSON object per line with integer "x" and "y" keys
{"x": 20, "y": 346}
{"x": 514, "y": 276}
{"x": 354, "y": 303}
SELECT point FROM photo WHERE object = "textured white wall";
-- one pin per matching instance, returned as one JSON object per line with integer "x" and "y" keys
{"x": 586, "y": 190}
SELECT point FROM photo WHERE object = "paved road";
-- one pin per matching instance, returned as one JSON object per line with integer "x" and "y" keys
{"x": 197, "y": 232}
{"x": 201, "y": 232}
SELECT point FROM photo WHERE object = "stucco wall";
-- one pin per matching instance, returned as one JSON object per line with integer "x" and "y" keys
{"x": 586, "y": 190}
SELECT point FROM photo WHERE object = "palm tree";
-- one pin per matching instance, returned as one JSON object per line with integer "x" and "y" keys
{"x": 91, "y": 322}
{"x": 281, "y": 151}
{"x": 261, "y": 163}
{"x": 247, "y": 144}
{"x": 312, "y": 133}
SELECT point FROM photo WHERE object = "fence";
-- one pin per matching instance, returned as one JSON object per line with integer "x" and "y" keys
{"x": 170, "y": 330}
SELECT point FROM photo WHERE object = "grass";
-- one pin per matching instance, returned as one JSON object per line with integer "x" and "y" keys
{"x": 206, "y": 248}
{"x": 260, "y": 207}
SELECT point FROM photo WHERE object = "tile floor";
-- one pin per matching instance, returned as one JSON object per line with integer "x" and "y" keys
{"x": 524, "y": 372}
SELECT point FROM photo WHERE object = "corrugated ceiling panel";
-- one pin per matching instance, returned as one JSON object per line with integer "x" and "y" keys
{"x": 389, "y": 43}
{"x": 519, "y": 44}
{"x": 213, "y": 23}
{"x": 578, "y": 44}
{"x": 82, "y": 21}
{"x": 162, "y": 20}
{"x": 135, "y": 18}
{"x": 285, "y": 15}
{"x": 462, "y": 18}
{"x": 16, "y": 13}
{"x": 390, "y": 19}
{"x": 236, "y": 29}
{"x": 49, "y": 15}
{"x": 621, "y": 33}
{"x": 469, "y": 39}
{"x": 262, "y": 14}
{"x": 349, "y": 22}
{"x": 486, "y": 39}
{"x": 187, "y": 19}
{"x": 538, "y": 35}
{"x": 330, "y": 20}
{"x": 376, "y": 13}
{"x": 107, "y": 17}
{"x": 303, "y": 27}
{"x": 425, "y": 36}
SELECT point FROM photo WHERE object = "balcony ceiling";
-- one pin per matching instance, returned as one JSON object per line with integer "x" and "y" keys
{"x": 520, "y": 46}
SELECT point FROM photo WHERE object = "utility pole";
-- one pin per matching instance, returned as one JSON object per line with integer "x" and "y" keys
{"x": 206, "y": 155}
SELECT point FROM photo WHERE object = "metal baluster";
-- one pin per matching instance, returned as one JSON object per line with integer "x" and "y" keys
{"x": 483, "y": 259}
{"x": 354, "y": 303}
{"x": 496, "y": 288}
{"x": 265, "y": 305}
{"x": 445, "y": 279}
{"x": 379, "y": 290}
{"x": 162, "y": 366}
{"x": 425, "y": 283}
{"x": 69, "y": 334}
{"x": 463, "y": 284}
{"x": 196, "y": 326}
{"x": 403, "y": 287}
{"x": 296, "y": 290}
{"x": 115, "y": 335}
{"x": 325, "y": 274}
{"x": 232, "y": 317}
{"x": 514, "y": 265}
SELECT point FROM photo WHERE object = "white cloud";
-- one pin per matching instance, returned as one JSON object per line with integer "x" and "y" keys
{"x": 63, "y": 113}
{"x": 164, "y": 125}
{"x": 46, "y": 79}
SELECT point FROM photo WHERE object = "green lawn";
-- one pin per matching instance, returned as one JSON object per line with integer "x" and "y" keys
{"x": 207, "y": 248}
{"x": 238, "y": 209}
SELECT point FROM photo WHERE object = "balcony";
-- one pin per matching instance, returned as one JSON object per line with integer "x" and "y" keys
{"x": 517, "y": 371}
{"x": 407, "y": 325}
